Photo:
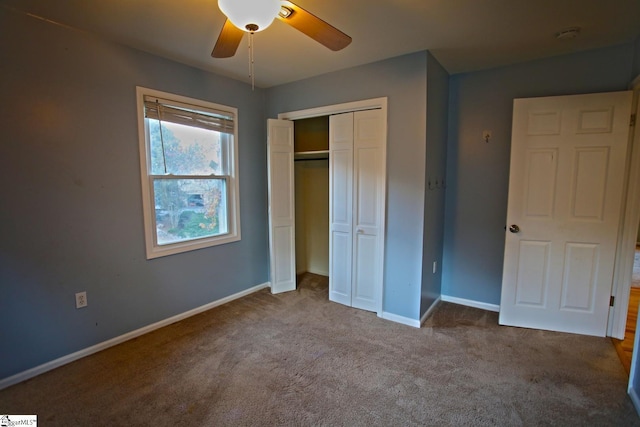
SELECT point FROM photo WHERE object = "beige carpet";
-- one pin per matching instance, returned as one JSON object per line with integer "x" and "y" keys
{"x": 297, "y": 359}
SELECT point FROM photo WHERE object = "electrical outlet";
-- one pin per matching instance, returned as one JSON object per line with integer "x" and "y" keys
{"x": 81, "y": 299}
{"x": 486, "y": 135}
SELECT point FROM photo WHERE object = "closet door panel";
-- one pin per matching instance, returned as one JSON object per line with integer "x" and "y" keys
{"x": 341, "y": 190}
{"x": 340, "y": 268}
{"x": 340, "y": 219}
{"x": 281, "y": 206}
{"x": 368, "y": 161}
{"x": 340, "y": 207}
{"x": 364, "y": 294}
{"x": 369, "y": 189}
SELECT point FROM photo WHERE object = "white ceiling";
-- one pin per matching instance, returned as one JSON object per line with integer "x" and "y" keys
{"x": 464, "y": 35}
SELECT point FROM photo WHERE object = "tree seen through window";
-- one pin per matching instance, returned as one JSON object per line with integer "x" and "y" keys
{"x": 186, "y": 208}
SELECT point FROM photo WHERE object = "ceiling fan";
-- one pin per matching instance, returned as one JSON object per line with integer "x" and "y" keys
{"x": 251, "y": 16}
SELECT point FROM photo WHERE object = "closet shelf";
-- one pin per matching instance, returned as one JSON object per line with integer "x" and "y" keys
{"x": 311, "y": 155}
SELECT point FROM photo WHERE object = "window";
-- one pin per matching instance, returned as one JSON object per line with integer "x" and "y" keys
{"x": 188, "y": 158}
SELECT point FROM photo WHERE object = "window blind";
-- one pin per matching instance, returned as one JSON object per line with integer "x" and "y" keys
{"x": 183, "y": 114}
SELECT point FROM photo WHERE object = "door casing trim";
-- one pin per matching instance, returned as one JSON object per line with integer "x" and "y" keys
{"x": 627, "y": 236}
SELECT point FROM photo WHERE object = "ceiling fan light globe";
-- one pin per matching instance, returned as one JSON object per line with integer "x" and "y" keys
{"x": 243, "y": 13}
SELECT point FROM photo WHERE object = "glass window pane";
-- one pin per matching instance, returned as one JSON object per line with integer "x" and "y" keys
{"x": 189, "y": 209}
{"x": 187, "y": 150}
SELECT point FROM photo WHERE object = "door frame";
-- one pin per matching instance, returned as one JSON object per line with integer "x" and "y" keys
{"x": 347, "y": 107}
{"x": 627, "y": 235}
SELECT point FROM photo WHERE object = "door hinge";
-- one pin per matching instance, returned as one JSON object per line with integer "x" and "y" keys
{"x": 632, "y": 122}
{"x": 612, "y": 300}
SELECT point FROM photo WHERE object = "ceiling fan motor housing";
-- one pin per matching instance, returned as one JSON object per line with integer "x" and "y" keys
{"x": 250, "y": 15}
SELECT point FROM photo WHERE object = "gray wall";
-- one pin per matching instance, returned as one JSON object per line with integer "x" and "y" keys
{"x": 437, "y": 113}
{"x": 477, "y": 173}
{"x": 403, "y": 81}
{"x": 71, "y": 212}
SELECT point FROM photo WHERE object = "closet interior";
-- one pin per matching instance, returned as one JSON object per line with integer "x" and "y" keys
{"x": 311, "y": 159}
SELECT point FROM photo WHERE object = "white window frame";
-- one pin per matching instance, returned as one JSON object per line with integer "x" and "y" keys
{"x": 153, "y": 249}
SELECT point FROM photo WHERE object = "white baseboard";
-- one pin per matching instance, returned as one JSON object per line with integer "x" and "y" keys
{"x": 426, "y": 315}
{"x": 445, "y": 298}
{"x": 30, "y": 373}
{"x": 471, "y": 303}
{"x": 400, "y": 319}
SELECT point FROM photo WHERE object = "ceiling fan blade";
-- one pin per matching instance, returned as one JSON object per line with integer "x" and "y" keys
{"x": 314, "y": 27}
{"x": 228, "y": 41}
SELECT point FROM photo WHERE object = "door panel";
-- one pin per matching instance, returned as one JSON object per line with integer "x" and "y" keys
{"x": 281, "y": 206}
{"x": 340, "y": 207}
{"x": 281, "y": 164}
{"x": 543, "y": 122}
{"x": 341, "y": 193}
{"x": 369, "y": 189}
{"x": 533, "y": 273}
{"x": 541, "y": 170}
{"x": 589, "y": 183}
{"x": 565, "y": 194}
{"x": 340, "y": 268}
{"x": 365, "y": 272}
{"x": 282, "y": 273}
{"x": 579, "y": 281}
{"x": 595, "y": 120}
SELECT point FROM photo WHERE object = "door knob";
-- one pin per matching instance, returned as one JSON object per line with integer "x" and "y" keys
{"x": 514, "y": 228}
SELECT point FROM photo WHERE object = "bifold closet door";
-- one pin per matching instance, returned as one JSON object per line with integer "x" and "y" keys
{"x": 368, "y": 209}
{"x": 356, "y": 208}
{"x": 340, "y": 207}
{"x": 282, "y": 247}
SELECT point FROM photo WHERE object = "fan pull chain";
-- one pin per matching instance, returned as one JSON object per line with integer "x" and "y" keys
{"x": 251, "y": 70}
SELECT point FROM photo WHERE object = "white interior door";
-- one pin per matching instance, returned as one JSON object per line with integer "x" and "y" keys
{"x": 368, "y": 208}
{"x": 565, "y": 196}
{"x": 282, "y": 249}
{"x": 340, "y": 207}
